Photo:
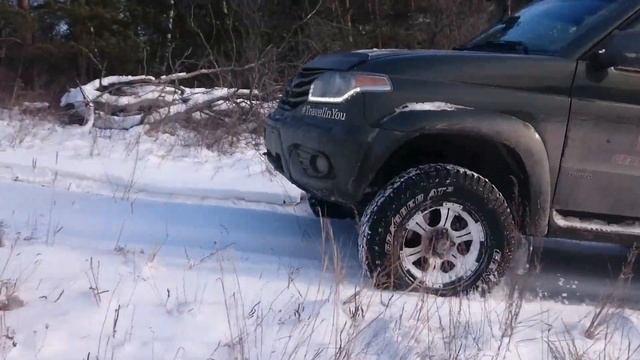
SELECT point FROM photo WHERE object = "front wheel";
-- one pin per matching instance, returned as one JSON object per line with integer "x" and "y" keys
{"x": 440, "y": 229}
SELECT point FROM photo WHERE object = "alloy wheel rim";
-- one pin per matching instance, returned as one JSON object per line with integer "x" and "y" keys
{"x": 442, "y": 245}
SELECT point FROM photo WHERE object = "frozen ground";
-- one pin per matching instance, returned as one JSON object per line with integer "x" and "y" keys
{"x": 130, "y": 164}
{"x": 116, "y": 248}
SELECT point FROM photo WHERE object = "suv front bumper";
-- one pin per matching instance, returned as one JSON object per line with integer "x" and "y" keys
{"x": 321, "y": 156}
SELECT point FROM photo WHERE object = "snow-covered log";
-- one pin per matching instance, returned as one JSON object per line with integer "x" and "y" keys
{"x": 123, "y": 102}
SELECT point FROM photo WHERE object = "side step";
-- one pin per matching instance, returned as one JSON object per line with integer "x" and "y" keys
{"x": 629, "y": 227}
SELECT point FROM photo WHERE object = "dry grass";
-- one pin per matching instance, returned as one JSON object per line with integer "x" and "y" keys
{"x": 360, "y": 319}
{"x": 338, "y": 318}
{"x": 220, "y": 130}
{"x": 424, "y": 328}
{"x": 611, "y": 303}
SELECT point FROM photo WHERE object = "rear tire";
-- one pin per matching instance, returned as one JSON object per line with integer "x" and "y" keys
{"x": 440, "y": 229}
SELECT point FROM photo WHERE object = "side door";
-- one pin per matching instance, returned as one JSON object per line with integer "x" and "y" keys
{"x": 600, "y": 168}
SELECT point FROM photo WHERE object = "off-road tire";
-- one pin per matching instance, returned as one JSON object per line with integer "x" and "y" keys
{"x": 421, "y": 188}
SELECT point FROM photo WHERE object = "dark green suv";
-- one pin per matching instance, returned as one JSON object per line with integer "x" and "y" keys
{"x": 531, "y": 130}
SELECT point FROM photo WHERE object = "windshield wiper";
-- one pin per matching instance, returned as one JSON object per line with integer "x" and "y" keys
{"x": 499, "y": 45}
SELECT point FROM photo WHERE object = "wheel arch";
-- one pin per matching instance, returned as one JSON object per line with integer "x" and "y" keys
{"x": 507, "y": 151}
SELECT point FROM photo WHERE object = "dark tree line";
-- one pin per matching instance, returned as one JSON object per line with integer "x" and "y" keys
{"x": 48, "y": 45}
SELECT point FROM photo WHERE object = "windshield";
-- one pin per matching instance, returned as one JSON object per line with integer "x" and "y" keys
{"x": 545, "y": 27}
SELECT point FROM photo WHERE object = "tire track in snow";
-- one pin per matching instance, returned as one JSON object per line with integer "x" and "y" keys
{"x": 99, "y": 221}
{"x": 572, "y": 272}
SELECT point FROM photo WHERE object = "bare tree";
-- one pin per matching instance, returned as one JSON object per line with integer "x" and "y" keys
{"x": 169, "y": 39}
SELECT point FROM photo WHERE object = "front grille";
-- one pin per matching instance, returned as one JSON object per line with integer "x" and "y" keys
{"x": 297, "y": 91}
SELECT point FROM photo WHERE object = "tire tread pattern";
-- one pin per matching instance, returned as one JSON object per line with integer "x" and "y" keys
{"x": 431, "y": 174}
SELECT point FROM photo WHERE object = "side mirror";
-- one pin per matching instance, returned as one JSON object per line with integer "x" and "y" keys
{"x": 622, "y": 50}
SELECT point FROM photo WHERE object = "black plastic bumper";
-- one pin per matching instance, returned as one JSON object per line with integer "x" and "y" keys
{"x": 321, "y": 156}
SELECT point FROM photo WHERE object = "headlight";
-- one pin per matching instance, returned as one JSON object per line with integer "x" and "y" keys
{"x": 336, "y": 87}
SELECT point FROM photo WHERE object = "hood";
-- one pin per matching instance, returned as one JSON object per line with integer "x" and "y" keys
{"x": 348, "y": 60}
{"x": 500, "y": 70}
{"x": 528, "y": 72}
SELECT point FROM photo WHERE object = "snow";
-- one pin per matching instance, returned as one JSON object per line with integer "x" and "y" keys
{"x": 34, "y": 106}
{"x": 430, "y": 106}
{"x": 124, "y": 246}
{"x": 75, "y": 96}
{"x": 626, "y": 228}
{"x": 131, "y": 164}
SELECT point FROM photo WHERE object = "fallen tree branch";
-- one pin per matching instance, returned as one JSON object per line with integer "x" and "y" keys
{"x": 122, "y": 102}
{"x": 179, "y": 112}
{"x": 184, "y": 76}
{"x": 12, "y": 39}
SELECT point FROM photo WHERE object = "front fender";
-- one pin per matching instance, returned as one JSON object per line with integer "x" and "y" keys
{"x": 517, "y": 135}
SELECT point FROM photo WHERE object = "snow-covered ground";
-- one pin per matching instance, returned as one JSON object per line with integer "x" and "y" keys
{"x": 117, "y": 245}
{"x": 130, "y": 164}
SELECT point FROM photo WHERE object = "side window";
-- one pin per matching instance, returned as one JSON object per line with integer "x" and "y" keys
{"x": 634, "y": 25}
{"x": 624, "y": 46}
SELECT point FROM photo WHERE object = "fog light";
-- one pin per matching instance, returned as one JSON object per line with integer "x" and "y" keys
{"x": 320, "y": 164}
